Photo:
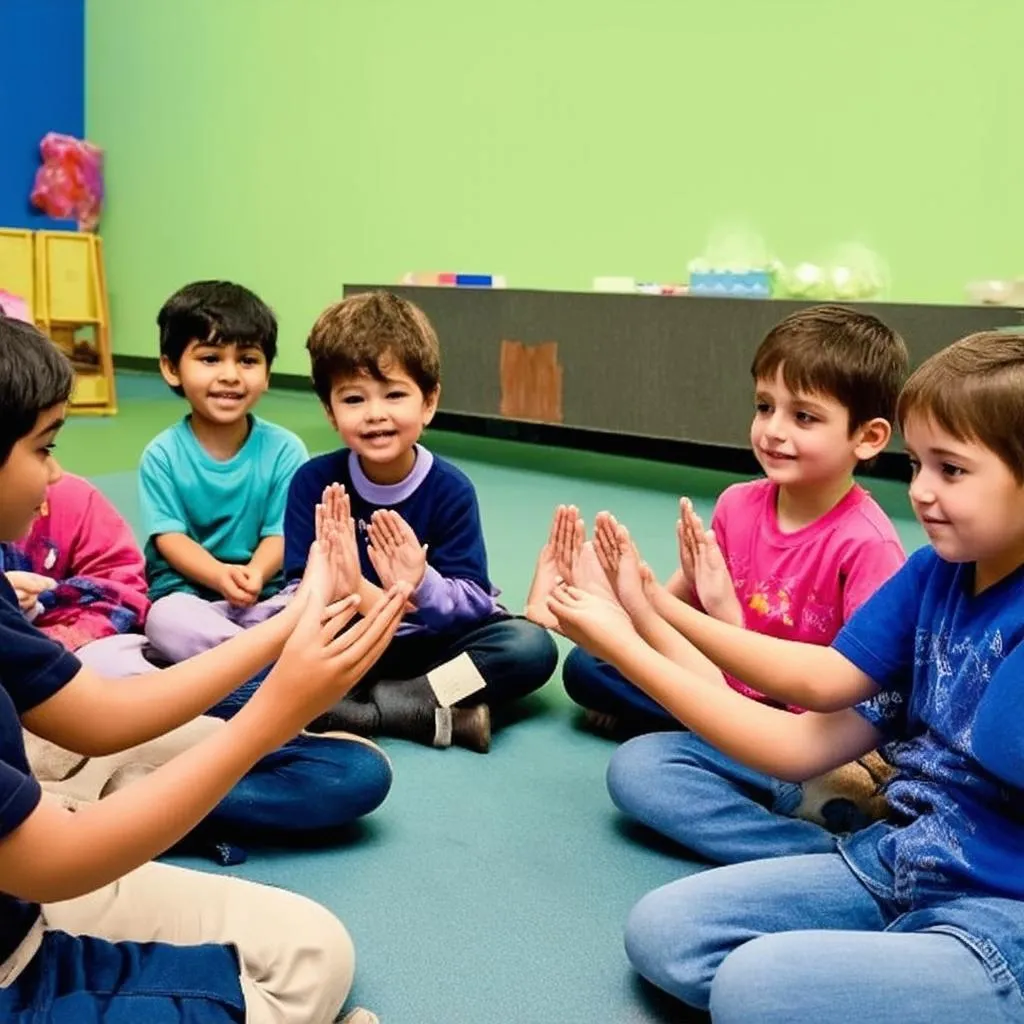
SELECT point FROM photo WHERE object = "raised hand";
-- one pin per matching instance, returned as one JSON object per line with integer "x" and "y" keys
{"x": 546, "y": 575}
{"x": 569, "y": 533}
{"x": 395, "y": 552}
{"x": 334, "y": 520}
{"x": 681, "y": 584}
{"x": 621, "y": 562}
{"x": 319, "y": 663}
{"x": 713, "y": 582}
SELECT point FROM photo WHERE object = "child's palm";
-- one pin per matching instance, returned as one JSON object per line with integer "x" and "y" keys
{"x": 714, "y": 583}
{"x": 395, "y": 551}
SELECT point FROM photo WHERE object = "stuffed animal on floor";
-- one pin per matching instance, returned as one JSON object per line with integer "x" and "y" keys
{"x": 849, "y": 797}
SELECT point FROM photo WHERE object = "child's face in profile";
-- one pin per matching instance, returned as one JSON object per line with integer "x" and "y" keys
{"x": 801, "y": 440}
{"x": 28, "y": 471}
{"x": 381, "y": 420}
{"x": 966, "y": 498}
{"x": 221, "y": 382}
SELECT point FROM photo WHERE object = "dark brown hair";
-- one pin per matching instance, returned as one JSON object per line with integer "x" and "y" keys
{"x": 831, "y": 350}
{"x": 357, "y": 335}
{"x": 974, "y": 391}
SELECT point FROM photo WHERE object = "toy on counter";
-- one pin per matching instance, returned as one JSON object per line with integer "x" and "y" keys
{"x": 433, "y": 279}
{"x": 69, "y": 185}
{"x": 735, "y": 264}
{"x": 854, "y": 273}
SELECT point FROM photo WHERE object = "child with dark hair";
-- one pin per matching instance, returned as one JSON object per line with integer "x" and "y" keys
{"x": 89, "y": 928}
{"x": 213, "y": 486}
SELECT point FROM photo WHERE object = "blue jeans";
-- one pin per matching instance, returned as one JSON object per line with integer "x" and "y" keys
{"x": 801, "y": 939}
{"x": 85, "y": 980}
{"x": 310, "y": 784}
{"x": 683, "y": 788}
{"x": 595, "y": 685}
{"x": 513, "y": 655}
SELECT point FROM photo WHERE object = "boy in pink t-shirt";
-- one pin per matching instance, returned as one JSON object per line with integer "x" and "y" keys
{"x": 791, "y": 555}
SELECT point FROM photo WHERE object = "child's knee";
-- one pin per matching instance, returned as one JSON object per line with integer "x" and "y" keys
{"x": 665, "y": 946}
{"x": 313, "y": 968}
{"x": 758, "y": 973}
{"x": 630, "y": 772}
{"x": 636, "y": 776}
{"x": 170, "y": 615}
{"x": 534, "y": 650}
{"x": 578, "y": 671}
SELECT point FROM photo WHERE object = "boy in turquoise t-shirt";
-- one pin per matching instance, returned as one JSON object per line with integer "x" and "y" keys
{"x": 213, "y": 486}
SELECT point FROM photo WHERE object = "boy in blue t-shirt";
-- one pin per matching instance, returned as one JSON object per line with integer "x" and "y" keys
{"x": 376, "y": 369}
{"x": 919, "y": 917}
{"x": 89, "y": 929}
{"x": 213, "y": 486}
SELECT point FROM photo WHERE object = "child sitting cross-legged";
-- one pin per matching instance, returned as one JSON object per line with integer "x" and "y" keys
{"x": 213, "y": 486}
{"x": 458, "y": 655}
{"x": 790, "y": 555}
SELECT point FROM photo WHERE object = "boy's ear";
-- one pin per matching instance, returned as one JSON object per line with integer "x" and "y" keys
{"x": 430, "y": 405}
{"x": 169, "y": 372}
{"x": 872, "y": 437}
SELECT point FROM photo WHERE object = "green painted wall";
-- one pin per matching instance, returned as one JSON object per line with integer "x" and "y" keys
{"x": 297, "y": 144}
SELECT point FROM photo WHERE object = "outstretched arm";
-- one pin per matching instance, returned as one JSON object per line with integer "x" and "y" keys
{"x": 808, "y": 675}
{"x": 792, "y": 747}
{"x": 56, "y": 855}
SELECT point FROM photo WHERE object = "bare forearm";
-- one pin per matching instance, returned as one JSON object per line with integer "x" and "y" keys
{"x": 97, "y": 716}
{"x": 788, "y": 746}
{"x": 666, "y": 640}
{"x": 103, "y": 841}
{"x": 268, "y": 557}
{"x": 806, "y": 675}
{"x": 192, "y": 560}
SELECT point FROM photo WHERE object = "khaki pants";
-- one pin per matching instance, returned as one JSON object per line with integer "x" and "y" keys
{"x": 297, "y": 960}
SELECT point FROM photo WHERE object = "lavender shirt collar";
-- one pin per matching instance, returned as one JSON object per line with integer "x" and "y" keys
{"x": 390, "y": 494}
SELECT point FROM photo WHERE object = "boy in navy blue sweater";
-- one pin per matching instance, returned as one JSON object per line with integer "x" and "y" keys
{"x": 376, "y": 369}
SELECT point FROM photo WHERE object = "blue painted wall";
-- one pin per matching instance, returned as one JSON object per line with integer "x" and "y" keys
{"x": 42, "y": 89}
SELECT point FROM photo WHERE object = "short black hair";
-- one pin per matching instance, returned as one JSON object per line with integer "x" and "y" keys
{"x": 216, "y": 313}
{"x": 34, "y": 375}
